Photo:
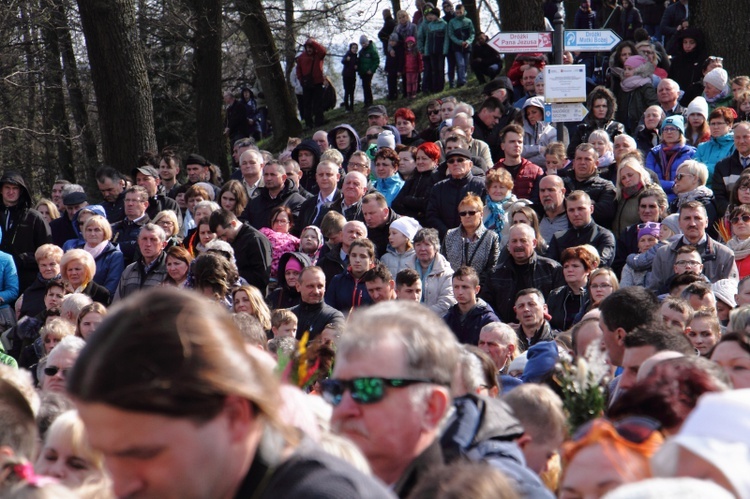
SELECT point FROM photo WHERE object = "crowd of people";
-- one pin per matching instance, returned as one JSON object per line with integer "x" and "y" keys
{"x": 399, "y": 311}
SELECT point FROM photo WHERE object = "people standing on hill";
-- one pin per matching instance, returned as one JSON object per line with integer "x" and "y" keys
{"x": 310, "y": 75}
{"x": 369, "y": 60}
{"x": 350, "y": 61}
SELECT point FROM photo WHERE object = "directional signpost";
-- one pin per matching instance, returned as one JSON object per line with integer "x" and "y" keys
{"x": 590, "y": 40}
{"x": 516, "y": 43}
{"x": 571, "y": 112}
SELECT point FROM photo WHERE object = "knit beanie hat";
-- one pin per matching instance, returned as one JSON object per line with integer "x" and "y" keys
{"x": 363, "y": 40}
{"x": 542, "y": 358}
{"x": 676, "y": 121}
{"x": 724, "y": 290}
{"x": 539, "y": 78}
{"x": 698, "y": 106}
{"x": 635, "y": 61}
{"x": 393, "y": 37}
{"x": 386, "y": 139}
{"x": 717, "y": 77}
{"x": 407, "y": 226}
{"x": 651, "y": 229}
{"x": 293, "y": 264}
{"x": 673, "y": 223}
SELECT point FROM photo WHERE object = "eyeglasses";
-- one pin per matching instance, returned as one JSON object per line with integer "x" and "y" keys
{"x": 357, "y": 165}
{"x": 456, "y": 160}
{"x": 363, "y": 390}
{"x": 744, "y": 218}
{"x": 744, "y": 187}
{"x": 718, "y": 123}
{"x": 433, "y": 111}
{"x": 680, "y": 176}
{"x": 53, "y": 370}
{"x": 467, "y": 213}
{"x": 687, "y": 263}
{"x": 600, "y": 286}
{"x": 669, "y": 129}
{"x": 649, "y": 225}
{"x": 634, "y": 429}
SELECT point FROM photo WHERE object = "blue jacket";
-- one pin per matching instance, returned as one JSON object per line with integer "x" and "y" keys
{"x": 346, "y": 293}
{"x": 654, "y": 163}
{"x": 390, "y": 187}
{"x": 714, "y": 150}
{"x": 109, "y": 266}
{"x": 468, "y": 330}
{"x": 8, "y": 279}
{"x": 79, "y": 240}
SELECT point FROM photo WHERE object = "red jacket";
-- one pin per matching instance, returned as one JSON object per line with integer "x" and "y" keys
{"x": 310, "y": 67}
{"x": 413, "y": 62}
{"x": 524, "y": 178}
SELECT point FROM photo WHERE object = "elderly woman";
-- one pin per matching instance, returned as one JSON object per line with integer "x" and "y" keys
{"x": 470, "y": 243}
{"x": 67, "y": 455}
{"x": 647, "y": 134}
{"x": 716, "y": 89}
{"x": 411, "y": 200}
{"x": 632, "y": 179}
{"x": 721, "y": 143}
{"x": 168, "y": 221}
{"x": 59, "y": 363}
{"x": 690, "y": 185}
{"x": 740, "y": 241}
{"x": 405, "y": 124}
{"x": 434, "y": 271}
{"x": 178, "y": 267}
{"x": 665, "y": 158}
{"x": 565, "y": 303}
{"x": 388, "y": 182}
{"x": 50, "y": 335}
{"x": 233, "y": 197}
{"x": 79, "y": 220}
{"x": 619, "y": 451}
{"x": 108, "y": 258}
{"x": 78, "y": 269}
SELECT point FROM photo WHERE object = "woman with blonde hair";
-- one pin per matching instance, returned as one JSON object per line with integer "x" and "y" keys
{"x": 68, "y": 456}
{"x": 167, "y": 220}
{"x": 249, "y": 299}
{"x": 48, "y": 209}
{"x": 602, "y": 283}
{"x": 108, "y": 258}
{"x": 78, "y": 268}
{"x": 632, "y": 179}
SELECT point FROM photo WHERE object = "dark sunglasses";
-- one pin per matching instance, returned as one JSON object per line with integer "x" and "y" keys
{"x": 433, "y": 111}
{"x": 744, "y": 218}
{"x": 363, "y": 390}
{"x": 52, "y": 370}
{"x": 460, "y": 159}
{"x": 635, "y": 429}
{"x": 680, "y": 176}
{"x": 467, "y": 213}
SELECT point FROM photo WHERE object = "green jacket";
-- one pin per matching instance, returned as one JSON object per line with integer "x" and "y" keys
{"x": 432, "y": 38}
{"x": 460, "y": 29}
{"x": 369, "y": 60}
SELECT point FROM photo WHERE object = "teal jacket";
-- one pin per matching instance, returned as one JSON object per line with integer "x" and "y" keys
{"x": 460, "y": 29}
{"x": 432, "y": 38}
{"x": 714, "y": 150}
{"x": 389, "y": 187}
{"x": 369, "y": 60}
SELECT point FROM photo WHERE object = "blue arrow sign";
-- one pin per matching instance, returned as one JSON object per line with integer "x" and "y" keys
{"x": 590, "y": 40}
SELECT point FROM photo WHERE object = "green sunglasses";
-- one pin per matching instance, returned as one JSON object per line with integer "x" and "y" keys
{"x": 363, "y": 390}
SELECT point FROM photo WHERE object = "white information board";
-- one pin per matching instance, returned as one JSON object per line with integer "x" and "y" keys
{"x": 565, "y": 83}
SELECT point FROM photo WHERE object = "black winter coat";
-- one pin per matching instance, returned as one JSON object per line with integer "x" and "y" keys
{"x": 597, "y": 236}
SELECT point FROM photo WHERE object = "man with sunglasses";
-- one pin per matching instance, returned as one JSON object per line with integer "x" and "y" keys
{"x": 442, "y": 208}
{"x": 717, "y": 260}
{"x": 390, "y": 389}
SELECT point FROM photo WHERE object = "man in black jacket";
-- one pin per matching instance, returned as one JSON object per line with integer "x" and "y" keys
{"x": 583, "y": 230}
{"x": 584, "y": 177}
{"x": 251, "y": 248}
{"x": 729, "y": 169}
{"x": 23, "y": 228}
{"x": 524, "y": 269}
{"x": 313, "y": 314}
{"x": 378, "y": 218}
{"x": 148, "y": 178}
{"x": 532, "y": 327}
{"x": 277, "y": 191}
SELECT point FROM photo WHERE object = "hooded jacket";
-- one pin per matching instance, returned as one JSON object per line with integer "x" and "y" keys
{"x": 354, "y": 142}
{"x": 396, "y": 262}
{"x": 79, "y": 239}
{"x": 589, "y": 123}
{"x": 258, "y": 210}
{"x": 714, "y": 150}
{"x": 307, "y": 178}
{"x": 345, "y": 293}
{"x": 310, "y": 66}
{"x": 9, "y": 287}
{"x": 24, "y": 230}
{"x": 437, "y": 287}
{"x": 285, "y": 296}
{"x": 467, "y": 328}
{"x": 369, "y": 60}
{"x": 536, "y": 137}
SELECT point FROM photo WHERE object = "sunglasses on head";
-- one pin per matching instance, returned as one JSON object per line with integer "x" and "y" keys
{"x": 635, "y": 429}
{"x": 470, "y": 213}
{"x": 53, "y": 370}
{"x": 363, "y": 390}
{"x": 649, "y": 225}
{"x": 744, "y": 218}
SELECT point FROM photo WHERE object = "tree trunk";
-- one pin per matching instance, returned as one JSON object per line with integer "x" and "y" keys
{"x": 55, "y": 117}
{"x": 472, "y": 12}
{"x": 118, "y": 72}
{"x": 396, "y": 5}
{"x": 290, "y": 38}
{"x": 75, "y": 92}
{"x": 726, "y": 30}
{"x": 281, "y": 106}
{"x": 516, "y": 16}
{"x": 207, "y": 81}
